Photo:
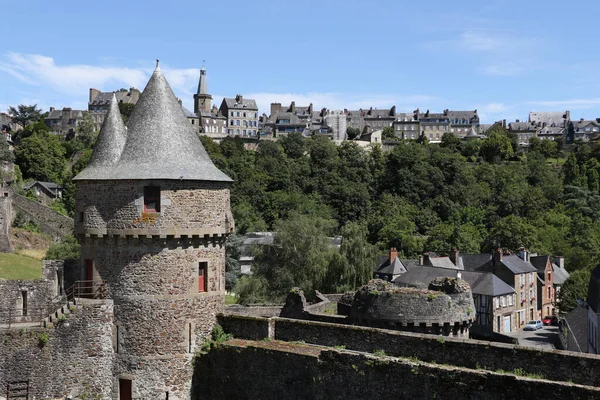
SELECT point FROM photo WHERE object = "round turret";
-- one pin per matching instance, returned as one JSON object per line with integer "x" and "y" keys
{"x": 152, "y": 223}
{"x": 445, "y": 308}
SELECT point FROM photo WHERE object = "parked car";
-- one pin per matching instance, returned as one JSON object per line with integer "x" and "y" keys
{"x": 533, "y": 325}
{"x": 550, "y": 320}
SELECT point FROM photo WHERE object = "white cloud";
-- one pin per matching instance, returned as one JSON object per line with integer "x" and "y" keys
{"x": 40, "y": 70}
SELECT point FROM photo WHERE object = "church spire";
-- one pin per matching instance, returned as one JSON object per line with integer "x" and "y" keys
{"x": 202, "y": 82}
{"x": 202, "y": 99}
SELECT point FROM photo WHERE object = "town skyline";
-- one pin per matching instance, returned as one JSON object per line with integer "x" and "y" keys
{"x": 503, "y": 58}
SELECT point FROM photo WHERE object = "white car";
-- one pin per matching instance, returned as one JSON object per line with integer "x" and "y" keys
{"x": 533, "y": 325}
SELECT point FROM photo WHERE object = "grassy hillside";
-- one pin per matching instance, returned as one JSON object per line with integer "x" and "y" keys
{"x": 15, "y": 266}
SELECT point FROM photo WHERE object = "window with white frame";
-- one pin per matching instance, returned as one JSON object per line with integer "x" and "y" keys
{"x": 503, "y": 301}
{"x": 510, "y": 299}
{"x": 496, "y": 302}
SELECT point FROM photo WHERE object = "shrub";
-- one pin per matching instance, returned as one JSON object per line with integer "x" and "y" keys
{"x": 67, "y": 249}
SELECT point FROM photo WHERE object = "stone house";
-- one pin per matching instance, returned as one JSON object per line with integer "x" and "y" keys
{"x": 407, "y": 126}
{"x": 99, "y": 102}
{"x": 585, "y": 130}
{"x": 524, "y": 131}
{"x": 242, "y": 116}
{"x": 461, "y": 122}
{"x": 517, "y": 272}
{"x": 46, "y": 192}
{"x": 560, "y": 276}
{"x": 434, "y": 125}
{"x": 546, "y": 293}
{"x": 65, "y": 121}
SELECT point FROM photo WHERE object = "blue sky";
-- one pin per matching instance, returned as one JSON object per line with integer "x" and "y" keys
{"x": 504, "y": 58}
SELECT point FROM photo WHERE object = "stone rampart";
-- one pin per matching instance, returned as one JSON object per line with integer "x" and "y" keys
{"x": 5, "y": 222}
{"x": 272, "y": 370}
{"x": 74, "y": 358}
{"x": 554, "y": 365}
{"x": 50, "y": 222}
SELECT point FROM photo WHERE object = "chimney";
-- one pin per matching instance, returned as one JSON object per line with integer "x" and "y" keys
{"x": 51, "y": 109}
{"x": 568, "y": 115}
{"x": 497, "y": 255}
{"x": 393, "y": 254}
{"x": 560, "y": 261}
{"x": 524, "y": 254}
{"x": 393, "y": 111}
{"x": 425, "y": 258}
{"x": 239, "y": 98}
{"x": 93, "y": 94}
{"x": 454, "y": 256}
{"x": 293, "y": 107}
{"x": 180, "y": 102}
{"x": 275, "y": 108}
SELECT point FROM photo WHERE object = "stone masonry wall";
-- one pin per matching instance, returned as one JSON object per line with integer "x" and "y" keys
{"x": 5, "y": 222}
{"x": 273, "y": 370}
{"x": 50, "y": 222}
{"x": 77, "y": 358}
{"x": 40, "y": 294}
{"x": 187, "y": 208}
{"x": 555, "y": 365}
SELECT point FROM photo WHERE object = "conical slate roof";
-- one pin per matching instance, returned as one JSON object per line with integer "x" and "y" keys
{"x": 109, "y": 145}
{"x": 161, "y": 143}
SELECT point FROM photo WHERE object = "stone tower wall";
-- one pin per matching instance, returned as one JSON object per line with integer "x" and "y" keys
{"x": 187, "y": 208}
{"x": 151, "y": 264}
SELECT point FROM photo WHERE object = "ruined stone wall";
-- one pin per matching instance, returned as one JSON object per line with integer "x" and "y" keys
{"x": 271, "y": 370}
{"x": 50, "y": 222}
{"x": 187, "y": 208}
{"x": 555, "y": 365}
{"x": 39, "y": 295}
{"x": 75, "y": 358}
{"x": 5, "y": 222}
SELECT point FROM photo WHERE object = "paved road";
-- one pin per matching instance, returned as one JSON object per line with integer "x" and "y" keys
{"x": 544, "y": 338}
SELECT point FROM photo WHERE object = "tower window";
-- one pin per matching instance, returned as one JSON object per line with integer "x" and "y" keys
{"x": 202, "y": 278}
{"x": 152, "y": 199}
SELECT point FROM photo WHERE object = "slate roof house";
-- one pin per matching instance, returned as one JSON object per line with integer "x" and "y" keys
{"x": 47, "y": 192}
{"x": 65, "y": 121}
{"x": 517, "y": 272}
{"x": 593, "y": 312}
{"x": 99, "y": 102}
{"x": 462, "y": 122}
{"x": 390, "y": 267}
{"x": 546, "y": 293}
{"x": 242, "y": 116}
{"x": 585, "y": 129}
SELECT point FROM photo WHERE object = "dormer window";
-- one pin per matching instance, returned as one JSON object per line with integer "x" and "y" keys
{"x": 152, "y": 199}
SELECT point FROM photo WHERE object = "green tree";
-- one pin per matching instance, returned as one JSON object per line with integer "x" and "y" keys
{"x": 24, "y": 115}
{"x": 126, "y": 109}
{"x": 388, "y": 134}
{"x": 300, "y": 256}
{"x": 512, "y": 233}
{"x": 66, "y": 249}
{"x": 352, "y": 133}
{"x": 42, "y": 157}
{"x": 450, "y": 141}
{"x": 357, "y": 256}
{"x": 574, "y": 289}
{"x": 497, "y": 147}
{"x": 232, "y": 260}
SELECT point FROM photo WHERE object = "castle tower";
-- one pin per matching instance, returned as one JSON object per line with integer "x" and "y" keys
{"x": 152, "y": 217}
{"x": 202, "y": 99}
